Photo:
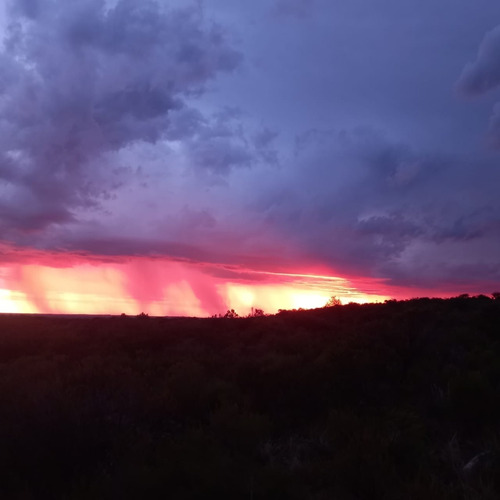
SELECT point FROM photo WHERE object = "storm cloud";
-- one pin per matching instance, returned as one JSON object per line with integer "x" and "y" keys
{"x": 483, "y": 74}
{"x": 83, "y": 80}
{"x": 271, "y": 135}
{"x": 366, "y": 204}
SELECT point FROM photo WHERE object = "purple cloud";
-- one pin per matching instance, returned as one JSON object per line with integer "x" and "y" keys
{"x": 80, "y": 81}
{"x": 129, "y": 128}
{"x": 483, "y": 74}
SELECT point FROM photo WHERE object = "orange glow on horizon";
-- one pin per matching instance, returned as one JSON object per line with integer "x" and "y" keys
{"x": 161, "y": 287}
{"x": 15, "y": 302}
{"x": 272, "y": 297}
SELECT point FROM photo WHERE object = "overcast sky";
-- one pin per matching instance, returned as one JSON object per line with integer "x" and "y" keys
{"x": 361, "y": 136}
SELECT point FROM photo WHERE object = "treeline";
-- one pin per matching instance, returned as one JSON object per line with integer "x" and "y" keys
{"x": 377, "y": 401}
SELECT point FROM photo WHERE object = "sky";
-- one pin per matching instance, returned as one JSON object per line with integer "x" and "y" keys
{"x": 183, "y": 158}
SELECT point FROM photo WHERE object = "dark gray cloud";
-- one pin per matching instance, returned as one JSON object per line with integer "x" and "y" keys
{"x": 212, "y": 145}
{"x": 219, "y": 144}
{"x": 222, "y": 142}
{"x": 366, "y": 204}
{"x": 483, "y": 74}
{"x": 79, "y": 81}
{"x": 341, "y": 139}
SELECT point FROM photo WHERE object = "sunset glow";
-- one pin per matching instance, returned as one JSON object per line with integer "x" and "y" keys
{"x": 162, "y": 287}
{"x": 185, "y": 158}
{"x": 15, "y": 302}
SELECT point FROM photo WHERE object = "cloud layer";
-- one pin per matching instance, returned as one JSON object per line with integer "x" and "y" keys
{"x": 81, "y": 81}
{"x": 273, "y": 136}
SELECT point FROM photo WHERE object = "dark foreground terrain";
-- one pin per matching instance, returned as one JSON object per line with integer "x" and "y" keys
{"x": 391, "y": 401}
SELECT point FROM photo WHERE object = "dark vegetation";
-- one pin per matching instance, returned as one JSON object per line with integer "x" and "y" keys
{"x": 387, "y": 401}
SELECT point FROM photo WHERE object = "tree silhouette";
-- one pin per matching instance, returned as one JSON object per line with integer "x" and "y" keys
{"x": 333, "y": 301}
{"x": 256, "y": 312}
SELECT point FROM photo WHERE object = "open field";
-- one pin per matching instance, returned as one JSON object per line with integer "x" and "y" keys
{"x": 384, "y": 401}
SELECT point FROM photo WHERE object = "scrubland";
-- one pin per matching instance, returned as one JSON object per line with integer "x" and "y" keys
{"x": 399, "y": 400}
